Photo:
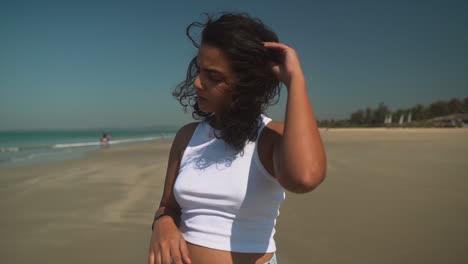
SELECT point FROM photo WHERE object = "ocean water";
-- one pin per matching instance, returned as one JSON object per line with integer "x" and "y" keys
{"x": 19, "y": 148}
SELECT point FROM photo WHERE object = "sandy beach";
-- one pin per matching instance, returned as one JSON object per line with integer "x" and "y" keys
{"x": 390, "y": 196}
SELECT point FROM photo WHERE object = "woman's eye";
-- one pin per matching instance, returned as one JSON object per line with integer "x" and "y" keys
{"x": 214, "y": 79}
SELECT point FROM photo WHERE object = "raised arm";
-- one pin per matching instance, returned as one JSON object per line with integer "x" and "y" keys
{"x": 299, "y": 159}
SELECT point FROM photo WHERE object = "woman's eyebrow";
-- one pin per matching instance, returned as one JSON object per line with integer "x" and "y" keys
{"x": 211, "y": 70}
{"x": 208, "y": 69}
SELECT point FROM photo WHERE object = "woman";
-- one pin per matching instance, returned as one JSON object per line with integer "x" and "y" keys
{"x": 227, "y": 174}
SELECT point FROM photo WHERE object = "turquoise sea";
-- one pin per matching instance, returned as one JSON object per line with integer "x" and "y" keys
{"x": 19, "y": 148}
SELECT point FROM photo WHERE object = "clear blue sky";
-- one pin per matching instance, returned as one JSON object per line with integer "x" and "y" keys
{"x": 87, "y": 64}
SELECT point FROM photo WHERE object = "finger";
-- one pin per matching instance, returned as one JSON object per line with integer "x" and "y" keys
{"x": 175, "y": 253}
{"x": 158, "y": 257}
{"x": 165, "y": 255}
{"x": 275, "y": 68}
{"x": 275, "y": 45}
{"x": 184, "y": 251}
{"x": 151, "y": 257}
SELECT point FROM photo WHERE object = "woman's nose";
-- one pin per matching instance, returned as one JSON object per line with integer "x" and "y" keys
{"x": 197, "y": 83}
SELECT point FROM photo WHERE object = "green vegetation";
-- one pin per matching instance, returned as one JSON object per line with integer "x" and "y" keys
{"x": 421, "y": 116}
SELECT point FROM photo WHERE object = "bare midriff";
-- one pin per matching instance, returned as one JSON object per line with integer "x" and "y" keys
{"x": 204, "y": 255}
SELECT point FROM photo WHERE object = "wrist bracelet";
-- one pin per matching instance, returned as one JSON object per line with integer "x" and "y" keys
{"x": 156, "y": 218}
{"x": 165, "y": 211}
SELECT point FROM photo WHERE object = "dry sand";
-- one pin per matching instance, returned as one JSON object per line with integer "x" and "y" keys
{"x": 391, "y": 196}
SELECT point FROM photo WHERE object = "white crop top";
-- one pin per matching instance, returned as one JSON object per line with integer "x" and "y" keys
{"x": 228, "y": 201}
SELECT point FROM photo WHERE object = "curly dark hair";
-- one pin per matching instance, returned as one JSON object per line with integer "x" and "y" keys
{"x": 240, "y": 37}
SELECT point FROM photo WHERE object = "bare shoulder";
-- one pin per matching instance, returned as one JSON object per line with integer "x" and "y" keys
{"x": 272, "y": 132}
{"x": 275, "y": 127}
{"x": 184, "y": 135}
{"x": 269, "y": 136}
{"x": 186, "y": 131}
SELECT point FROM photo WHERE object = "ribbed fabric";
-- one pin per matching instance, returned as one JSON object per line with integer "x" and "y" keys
{"x": 229, "y": 201}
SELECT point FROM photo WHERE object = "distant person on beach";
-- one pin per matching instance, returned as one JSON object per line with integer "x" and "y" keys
{"x": 105, "y": 138}
{"x": 227, "y": 174}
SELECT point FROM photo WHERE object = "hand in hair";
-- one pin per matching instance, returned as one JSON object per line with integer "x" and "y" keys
{"x": 290, "y": 69}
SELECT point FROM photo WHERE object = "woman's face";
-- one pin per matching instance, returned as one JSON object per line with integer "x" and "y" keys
{"x": 214, "y": 81}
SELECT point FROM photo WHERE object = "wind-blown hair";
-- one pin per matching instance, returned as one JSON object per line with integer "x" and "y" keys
{"x": 240, "y": 38}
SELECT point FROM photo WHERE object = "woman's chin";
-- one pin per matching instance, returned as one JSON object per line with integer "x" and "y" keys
{"x": 202, "y": 105}
{"x": 206, "y": 111}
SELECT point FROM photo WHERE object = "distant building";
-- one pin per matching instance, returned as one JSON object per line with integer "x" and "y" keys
{"x": 454, "y": 120}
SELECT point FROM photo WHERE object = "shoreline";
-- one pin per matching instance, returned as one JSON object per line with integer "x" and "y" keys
{"x": 75, "y": 153}
{"x": 82, "y": 154}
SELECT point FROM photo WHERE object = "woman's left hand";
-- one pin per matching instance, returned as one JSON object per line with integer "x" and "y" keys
{"x": 290, "y": 69}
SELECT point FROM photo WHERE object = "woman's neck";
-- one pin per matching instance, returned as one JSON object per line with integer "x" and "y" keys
{"x": 215, "y": 122}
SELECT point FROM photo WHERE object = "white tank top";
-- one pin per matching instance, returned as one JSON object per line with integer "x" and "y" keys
{"x": 228, "y": 201}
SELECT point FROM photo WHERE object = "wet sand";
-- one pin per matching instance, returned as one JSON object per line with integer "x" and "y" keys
{"x": 390, "y": 196}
